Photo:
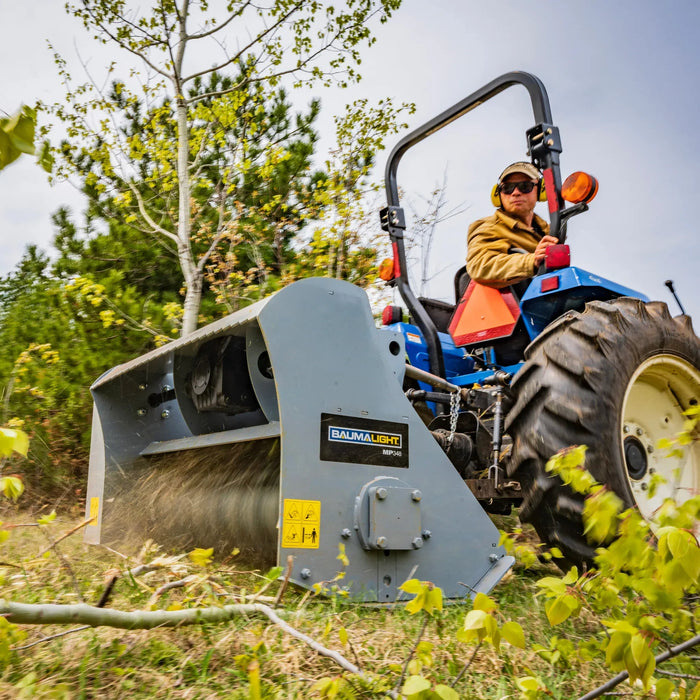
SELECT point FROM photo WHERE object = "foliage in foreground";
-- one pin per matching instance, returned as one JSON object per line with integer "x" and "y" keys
{"x": 637, "y": 613}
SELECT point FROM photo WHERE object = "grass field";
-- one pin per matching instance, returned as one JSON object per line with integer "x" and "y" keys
{"x": 224, "y": 660}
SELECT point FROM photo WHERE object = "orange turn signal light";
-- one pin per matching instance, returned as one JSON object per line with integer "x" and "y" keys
{"x": 579, "y": 187}
{"x": 386, "y": 269}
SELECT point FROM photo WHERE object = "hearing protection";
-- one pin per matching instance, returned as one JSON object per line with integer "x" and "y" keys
{"x": 496, "y": 195}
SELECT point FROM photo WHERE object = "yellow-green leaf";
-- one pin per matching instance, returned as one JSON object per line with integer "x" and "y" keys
{"x": 413, "y": 586}
{"x": 475, "y": 620}
{"x": 664, "y": 689}
{"x": 557, "y": 610}
{"x": 13, "y": 441}
{"x": 444, "y": 692}
{"x": 201, "y": 557}
{"x": 46, "y": 519}
{"x": 483, "y": 602}
{"x": 415, "y": 685}
{"x": 12, "y": 487}
{"x": 512, "y": 632}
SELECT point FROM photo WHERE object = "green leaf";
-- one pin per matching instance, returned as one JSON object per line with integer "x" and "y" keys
{"x": 444, "y": 692}
{"x": 415, "y": 685}
{"x": 13, "y": 441}
{"x": 528, "y": 684}
{"x": 552, "y": 585}
{"x": 512, "y": 632}
{"x": 600, "y": 513}
{"x": 12, "y": 487}
{"x": 433, "y": 600}
{"x": 664, "y": 689}
{"x": 413, "y": 586}
{"x": 475, "y": 620}
{"x": 201, "y": 557}
{"x": 615, "y": 652}
{"x": 560, "y": 609}
{"x": 46, "y": 519}
{"x": 483, "y": 602}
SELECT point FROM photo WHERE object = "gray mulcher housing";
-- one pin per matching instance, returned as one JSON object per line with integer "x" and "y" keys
{"x": 306, "y": 366}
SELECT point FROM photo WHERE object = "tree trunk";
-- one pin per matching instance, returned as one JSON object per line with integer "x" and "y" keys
{"x": 191, "y": 273}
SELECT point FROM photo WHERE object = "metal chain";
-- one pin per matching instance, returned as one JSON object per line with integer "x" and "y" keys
{"x": 454, "y": 412}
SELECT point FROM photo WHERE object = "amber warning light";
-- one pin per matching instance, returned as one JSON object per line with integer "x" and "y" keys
{"x": 386, "y": 269}
{"x": 579, "y": 187}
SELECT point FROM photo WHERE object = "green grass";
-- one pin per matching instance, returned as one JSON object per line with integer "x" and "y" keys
{"x": 213, "y": 661}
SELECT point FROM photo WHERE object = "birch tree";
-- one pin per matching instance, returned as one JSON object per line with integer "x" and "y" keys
{"x": 175, "y": 44}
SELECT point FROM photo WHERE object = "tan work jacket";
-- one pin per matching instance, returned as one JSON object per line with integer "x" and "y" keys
{"x": 488, "y": 243}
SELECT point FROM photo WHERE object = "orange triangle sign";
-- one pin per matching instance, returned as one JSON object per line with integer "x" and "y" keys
{"x": 483, "y": 314}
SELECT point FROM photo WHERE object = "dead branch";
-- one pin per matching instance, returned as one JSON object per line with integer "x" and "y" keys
{"x": 66, "y": 535}
{"x": 90, "y": 616}
{"x": 50, "y": 637}
{"x": 285, "y": 581}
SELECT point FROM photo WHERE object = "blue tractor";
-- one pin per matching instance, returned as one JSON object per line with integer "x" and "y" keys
{"x": 286, "y": 429}
{"x": 505, "y": 378}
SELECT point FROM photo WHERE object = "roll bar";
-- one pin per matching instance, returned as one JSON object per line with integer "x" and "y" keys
{"x": 544, "y": 147}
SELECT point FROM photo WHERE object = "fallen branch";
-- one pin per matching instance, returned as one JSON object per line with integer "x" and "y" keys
{"x": 53, "y": 547}
{"x": 623, "y": 676}
{"x": 168, "y": 587}
{"x": 51, "y": 614}
{"x": 285, "y": 581}
{"x": 65, "y": 535}
{"x": 50, "y": 637}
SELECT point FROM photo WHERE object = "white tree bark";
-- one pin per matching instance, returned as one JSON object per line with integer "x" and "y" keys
{"x": 51, "y": 614}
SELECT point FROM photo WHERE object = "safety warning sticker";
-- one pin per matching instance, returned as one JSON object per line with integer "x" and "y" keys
{"x": 301, "y": 524}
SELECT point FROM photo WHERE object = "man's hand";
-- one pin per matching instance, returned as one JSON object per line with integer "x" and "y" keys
{"x": 541, "y": 250}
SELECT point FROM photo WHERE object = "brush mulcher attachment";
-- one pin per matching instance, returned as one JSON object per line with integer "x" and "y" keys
{"x": 282, "y": 430}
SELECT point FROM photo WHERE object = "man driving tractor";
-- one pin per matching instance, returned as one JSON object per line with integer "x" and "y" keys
{"x": 514, "y": 227}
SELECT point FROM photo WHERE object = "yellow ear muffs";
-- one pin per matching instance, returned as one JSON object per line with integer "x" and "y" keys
{"x": 495, "y": 196}
{"x": 541, "y": 193}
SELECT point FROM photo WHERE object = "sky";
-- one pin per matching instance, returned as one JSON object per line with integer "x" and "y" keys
{"x": 622, "y": 79}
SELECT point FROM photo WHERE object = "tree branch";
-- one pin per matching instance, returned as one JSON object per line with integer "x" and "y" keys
{"x": 65, "y": 535}
{"x": 90, "y": 616}
{"x": 139, "y": 54}
{"x": 257, "y": 39}
{"x": 147, "y": 216}
{"x": 620, "y": 677}
{"x": 219, "y": 27}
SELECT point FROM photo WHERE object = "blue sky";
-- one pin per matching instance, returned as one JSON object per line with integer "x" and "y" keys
{"x": 622, "y": 78}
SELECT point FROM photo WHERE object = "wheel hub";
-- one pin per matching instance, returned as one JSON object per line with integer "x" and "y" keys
{"x": 635, "y": 457}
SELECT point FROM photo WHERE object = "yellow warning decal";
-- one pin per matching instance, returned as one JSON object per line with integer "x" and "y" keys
{"x": 301, "y": 524}
{"x": 94, "y": 509}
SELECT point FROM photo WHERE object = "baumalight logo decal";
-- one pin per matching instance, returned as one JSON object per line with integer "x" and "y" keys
{"x": 360, "y": 440}
{"x": 372, "y": 438}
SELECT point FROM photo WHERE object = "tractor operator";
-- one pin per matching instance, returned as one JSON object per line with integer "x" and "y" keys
{"x": 513, "y": 226}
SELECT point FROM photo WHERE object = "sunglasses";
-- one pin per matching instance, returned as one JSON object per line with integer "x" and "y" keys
{"x": 524, "y": 186}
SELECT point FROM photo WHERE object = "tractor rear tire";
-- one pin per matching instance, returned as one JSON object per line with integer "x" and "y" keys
{"x": 616, "y": 378}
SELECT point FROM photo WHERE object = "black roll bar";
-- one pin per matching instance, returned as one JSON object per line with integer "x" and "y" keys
{"x": 544, "y": 147}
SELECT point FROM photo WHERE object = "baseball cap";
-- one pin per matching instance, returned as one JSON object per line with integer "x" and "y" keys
{"x": 520, "y": 167}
